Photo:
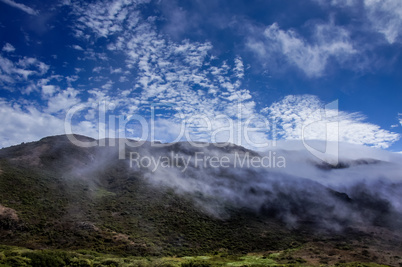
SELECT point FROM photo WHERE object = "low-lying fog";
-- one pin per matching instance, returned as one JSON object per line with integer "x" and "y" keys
{"x": 364, "y": 187}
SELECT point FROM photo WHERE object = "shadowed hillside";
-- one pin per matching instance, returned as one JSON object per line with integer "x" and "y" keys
{"x": 55, "y": 195}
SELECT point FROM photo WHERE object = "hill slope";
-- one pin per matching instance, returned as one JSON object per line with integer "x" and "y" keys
{"x": 56, "y": 195}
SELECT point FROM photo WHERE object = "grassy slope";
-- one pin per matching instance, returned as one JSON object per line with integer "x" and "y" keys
{"x": 117, "y": 211}
{"x": 114, "y": 210}
{"x": 16, "y": 256}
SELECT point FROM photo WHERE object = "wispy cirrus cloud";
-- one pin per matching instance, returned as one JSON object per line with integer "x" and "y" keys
{"x": 383, "y": 16}
{"x": 22, "y": 7}
{"x": 316, "y": 46}
{"x": 327, "y": 42}
{"x": 386, "y": 17}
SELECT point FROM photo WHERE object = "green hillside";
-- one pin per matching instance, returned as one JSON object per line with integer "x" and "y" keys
{"x": 69, "y": 204}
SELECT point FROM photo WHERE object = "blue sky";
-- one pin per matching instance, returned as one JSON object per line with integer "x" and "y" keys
{"x": 276, "y": 62}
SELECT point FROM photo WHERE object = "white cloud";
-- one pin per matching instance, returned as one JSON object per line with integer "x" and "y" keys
{"x": 294, "y": 114}
{"x": 108, "y": 85}
{"x": 20, "y": 125}
{"x": 63, "y": 100}
{"x": 48, "y": 90}
{"x": 22, "y": 7}
{"x": 77, "y": 47}
{"x": 8, "y": 48}
{"x": 123, "y": 79}
{"x": 383, "y": 16}
{"x": 118, "y": 70}
{"x": 108, "y": 17}
{"x": 386, "y": 17}
{"x": 71, "y": 79}
{"x": 167, "y": 72}
{"x": 11, "y": 72}
{"x": 239, "y": 68}
{"x": 30, "y": 124}
{"x": 97, "y": 69}
{"x": 328, "y": 41}
{"x": 26, "y": 62}
{"x": 399, "y": 121}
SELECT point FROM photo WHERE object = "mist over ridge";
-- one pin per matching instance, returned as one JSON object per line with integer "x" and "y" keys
{"x": 363, "y": 189}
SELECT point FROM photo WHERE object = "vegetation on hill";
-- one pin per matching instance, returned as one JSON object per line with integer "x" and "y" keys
{"x": 61, "y": 205}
